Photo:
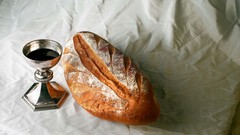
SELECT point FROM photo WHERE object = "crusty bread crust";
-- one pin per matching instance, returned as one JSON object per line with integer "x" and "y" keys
{"x": 106, "y": 83}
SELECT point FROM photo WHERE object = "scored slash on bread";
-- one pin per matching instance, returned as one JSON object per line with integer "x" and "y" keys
{"x": 106, "y": 83}
{"x": 97, "y": 67}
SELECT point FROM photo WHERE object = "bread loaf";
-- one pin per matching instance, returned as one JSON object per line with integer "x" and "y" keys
{"x": 106, "y": 83}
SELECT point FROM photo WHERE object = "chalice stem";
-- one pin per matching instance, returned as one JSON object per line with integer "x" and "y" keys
{"x": 43, "y": 75}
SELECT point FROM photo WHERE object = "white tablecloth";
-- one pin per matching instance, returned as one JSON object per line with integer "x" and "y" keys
{"x": 190, "y": 50}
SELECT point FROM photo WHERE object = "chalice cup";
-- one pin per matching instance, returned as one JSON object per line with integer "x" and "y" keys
{"x": 43, "y": 54}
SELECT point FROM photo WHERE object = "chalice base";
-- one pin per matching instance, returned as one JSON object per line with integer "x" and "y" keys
{"x": 45, "y": 96}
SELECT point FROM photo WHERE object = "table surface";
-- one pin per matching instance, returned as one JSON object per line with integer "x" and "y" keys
{"x": 188, "y": 49}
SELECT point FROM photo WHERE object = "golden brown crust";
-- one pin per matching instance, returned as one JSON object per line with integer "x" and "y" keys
{"x": 106, "y": 83}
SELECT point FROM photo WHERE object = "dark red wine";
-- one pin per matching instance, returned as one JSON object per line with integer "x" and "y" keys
{"x": 42, "y": 54}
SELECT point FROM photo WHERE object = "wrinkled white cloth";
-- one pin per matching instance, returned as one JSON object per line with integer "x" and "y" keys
{"x": 188, "y": 49}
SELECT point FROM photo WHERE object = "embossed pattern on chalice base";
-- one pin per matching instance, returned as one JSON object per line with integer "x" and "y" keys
{"x": 43, "y": 54}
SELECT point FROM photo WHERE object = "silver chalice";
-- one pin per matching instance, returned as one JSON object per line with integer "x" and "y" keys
{"x": 43, "y": 54}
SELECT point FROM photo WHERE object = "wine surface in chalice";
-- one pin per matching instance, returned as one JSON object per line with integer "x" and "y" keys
{"x": 42, "y": 54}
